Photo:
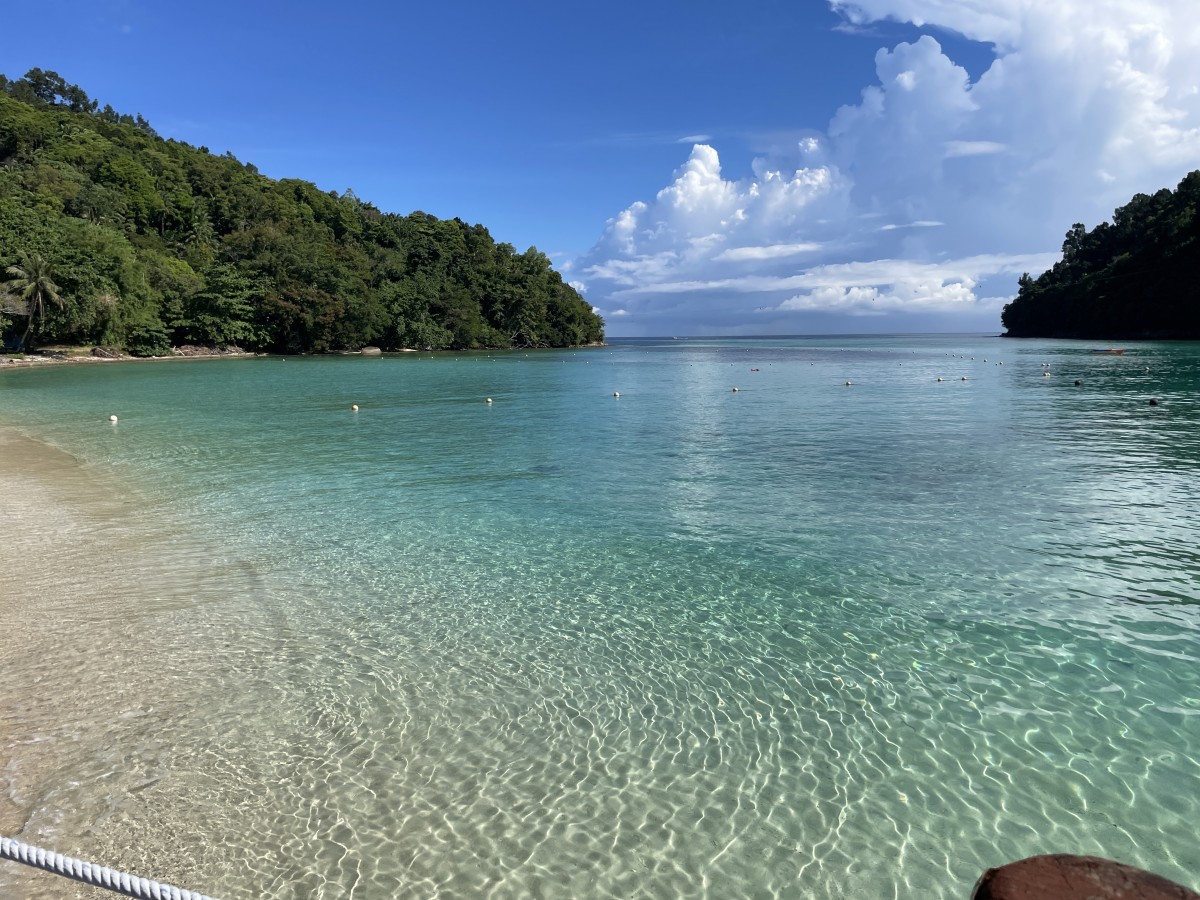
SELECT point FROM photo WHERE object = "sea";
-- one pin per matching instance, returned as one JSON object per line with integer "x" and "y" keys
{"x": 813, "y": 617}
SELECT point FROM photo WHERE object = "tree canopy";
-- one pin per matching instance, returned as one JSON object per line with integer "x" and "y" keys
{"x": 154, "y": 243}
{"x": 31, "y": 283}
{"x": 1132, "y": 278}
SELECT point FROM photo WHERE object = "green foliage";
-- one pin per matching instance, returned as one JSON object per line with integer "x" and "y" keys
{"x": 155, "y": 243}
{"x": 31, "y": 283}
{"x": 222, "y": 312}
{"x": 1133, "y": 278}
{"x": 146, "y": 336}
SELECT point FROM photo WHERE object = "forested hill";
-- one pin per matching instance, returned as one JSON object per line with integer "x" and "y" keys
{"x": 1135, "y": 277}
{"x": 152, "y": 243}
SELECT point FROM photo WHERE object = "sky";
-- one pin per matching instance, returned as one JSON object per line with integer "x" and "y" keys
{"x": 700, "y": 168}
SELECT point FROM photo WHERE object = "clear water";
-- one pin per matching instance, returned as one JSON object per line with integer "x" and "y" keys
{"x": 802, "y": 639}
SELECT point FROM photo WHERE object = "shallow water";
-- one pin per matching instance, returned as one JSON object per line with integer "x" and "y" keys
{"x": 802, "y": 639}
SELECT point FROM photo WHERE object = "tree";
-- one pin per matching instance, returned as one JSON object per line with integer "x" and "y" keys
{"x": 1133, "y": 278}
{"x": 203, "y": 248}
{"x": 32, "y": 283}
{"x": 222, "y": 312}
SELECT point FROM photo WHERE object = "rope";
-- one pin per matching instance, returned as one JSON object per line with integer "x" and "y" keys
{"x": 90, "y": 873}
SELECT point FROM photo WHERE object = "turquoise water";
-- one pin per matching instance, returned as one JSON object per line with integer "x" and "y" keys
{"x": 802, "y": 639}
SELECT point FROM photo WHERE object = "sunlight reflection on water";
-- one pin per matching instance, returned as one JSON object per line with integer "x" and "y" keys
{"x": 801, "y": 639}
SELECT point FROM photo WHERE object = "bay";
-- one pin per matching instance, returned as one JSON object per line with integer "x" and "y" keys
{"x": 805, "y": 638}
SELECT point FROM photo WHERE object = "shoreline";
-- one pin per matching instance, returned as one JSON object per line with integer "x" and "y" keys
{"x": 39, "y": 524}
{"x": 53, "y": 356}
{"x": 109, "y": 622}
{"x": 64, "y": 531}
{"x": 57, "y": 356}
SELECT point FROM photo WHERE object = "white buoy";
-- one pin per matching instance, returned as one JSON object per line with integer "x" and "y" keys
{"x": 488, "y": 400}
{"x": 964, "y": 378}
{"x": 1045, "y": 374}
{"x": 616, "y": 393}
{"x": 849, "y": 383}
{"x": 940, "y": 379}
{"x": 113, "y": 419}
{"x": 735, "y": 390}
{"x": 354, "y": 407}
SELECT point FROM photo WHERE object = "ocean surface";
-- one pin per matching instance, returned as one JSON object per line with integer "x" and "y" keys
{"x": 804, "y": 638}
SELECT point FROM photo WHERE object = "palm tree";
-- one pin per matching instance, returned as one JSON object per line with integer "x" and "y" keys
{"x": 31, "y": 283}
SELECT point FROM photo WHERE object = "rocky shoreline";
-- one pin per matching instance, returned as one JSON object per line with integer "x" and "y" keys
{"x": 61, "y": 355}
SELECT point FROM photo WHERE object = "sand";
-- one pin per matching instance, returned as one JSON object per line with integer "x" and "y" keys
{"x": 98, "y": 618}
{"x": 55, "y": 356}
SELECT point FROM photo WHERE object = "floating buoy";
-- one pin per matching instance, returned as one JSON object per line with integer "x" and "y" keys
{"x": 735, "y": 390}
{"x": 488, "y": 400}
{"x": 616, "y": 393}
{"x": 354, "y": 407}
{"x": 1078, "y": 382}
{"x": 1045, "y": 374}
{"x": 849, "y": 383}
{"x": 964, "y": 378}
{"x": 113, "y": 419}
{"x": 1153, "y": 401}
{"x": 940, "y": 379}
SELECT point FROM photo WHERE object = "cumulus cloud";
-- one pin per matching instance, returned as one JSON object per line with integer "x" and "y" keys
{"x": 928, "y": 286}
{"x": 1086, "y": 103}
{"x": 702, "y": 217}
{"x": 882, "y": 286}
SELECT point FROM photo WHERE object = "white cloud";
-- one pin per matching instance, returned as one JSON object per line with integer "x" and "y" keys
{"x": 972, "y": 148}
{"x": 1086, "y": 103}
{"x": 879, "y": 272}
{"x": 702, "y": 217}
{"x": 771, "y": 251}
{"x": 981, "y": 20}
{"x": 920, "y": 223}
{"x": 889, "y": 285}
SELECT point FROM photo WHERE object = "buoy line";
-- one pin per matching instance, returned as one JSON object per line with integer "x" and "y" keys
{"x": 90, "y": 873}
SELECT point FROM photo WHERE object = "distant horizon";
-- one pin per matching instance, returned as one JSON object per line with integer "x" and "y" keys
{"x": 765, "y": 337}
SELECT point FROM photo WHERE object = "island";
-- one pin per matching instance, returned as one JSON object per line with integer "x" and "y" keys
{"x": 113, "y": 236}
{"x": 1133, "y": 278}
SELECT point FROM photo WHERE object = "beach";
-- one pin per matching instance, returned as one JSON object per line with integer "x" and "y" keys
{"x": 54, "y": 356}
{"x": 101, "y": 643}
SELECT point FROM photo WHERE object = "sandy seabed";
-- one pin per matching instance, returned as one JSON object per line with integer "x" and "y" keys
{"x": 97, "y": 639}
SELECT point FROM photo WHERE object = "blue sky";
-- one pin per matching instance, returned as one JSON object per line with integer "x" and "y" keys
{"x": 766, "y": 167}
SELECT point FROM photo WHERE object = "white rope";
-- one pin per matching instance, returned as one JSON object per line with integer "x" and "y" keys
{"x": 90, "y": 873}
